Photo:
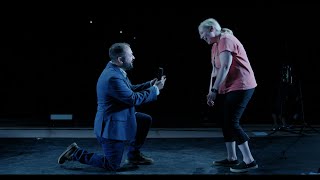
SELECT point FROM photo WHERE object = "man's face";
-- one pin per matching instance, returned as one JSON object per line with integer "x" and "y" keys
{"x": 127, "y": 59}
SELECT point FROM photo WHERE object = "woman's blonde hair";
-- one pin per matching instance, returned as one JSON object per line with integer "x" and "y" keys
{"x": 226, "y": 30}
{"x": 210, "y": 22}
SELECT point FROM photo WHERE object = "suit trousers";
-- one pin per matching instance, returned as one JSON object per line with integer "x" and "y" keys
{"x": 113, "y": 149}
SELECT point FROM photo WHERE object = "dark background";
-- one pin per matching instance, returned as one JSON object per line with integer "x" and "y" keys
{"x": 51, "y": 57}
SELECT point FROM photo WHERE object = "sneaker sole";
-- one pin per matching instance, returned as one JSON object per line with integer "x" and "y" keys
{"x": 243, "y": 170}
{"x": 68, "y": 149}
{"x": 138, "y": 163}
{"x": 224, "y": 165}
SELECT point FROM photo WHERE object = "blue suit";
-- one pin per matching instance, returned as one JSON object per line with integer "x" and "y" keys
{"x": 117, "y": 98}
{"x": 116, "y": 120}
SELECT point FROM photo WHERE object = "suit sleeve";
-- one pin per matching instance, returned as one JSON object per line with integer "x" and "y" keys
{"x": 140, "y": 87}
{"x": 120, "y": 91}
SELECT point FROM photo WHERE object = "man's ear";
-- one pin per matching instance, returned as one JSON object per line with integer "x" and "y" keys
{"x": 120, "y": 60}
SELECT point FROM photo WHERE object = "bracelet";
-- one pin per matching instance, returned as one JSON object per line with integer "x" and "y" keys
{"x": 214, "y": 90}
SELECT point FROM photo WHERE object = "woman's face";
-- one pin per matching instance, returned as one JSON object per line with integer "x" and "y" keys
{"x": 207, "y": 34}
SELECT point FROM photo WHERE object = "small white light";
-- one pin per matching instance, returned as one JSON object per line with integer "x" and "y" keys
{"x": 90, "y": 22}
{"x": 120, "y": 32}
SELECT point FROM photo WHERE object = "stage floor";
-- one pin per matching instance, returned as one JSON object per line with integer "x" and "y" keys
{"x": 34, "y": 151}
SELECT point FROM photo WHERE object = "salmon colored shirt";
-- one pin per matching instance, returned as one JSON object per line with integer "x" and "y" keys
{"x": 240, "y": 75}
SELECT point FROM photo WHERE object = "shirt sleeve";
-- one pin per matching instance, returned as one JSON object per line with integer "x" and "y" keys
{"x": 226, "y": 44}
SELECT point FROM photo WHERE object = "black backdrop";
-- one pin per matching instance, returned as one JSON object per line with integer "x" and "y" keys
{"x": 51, "y": 58}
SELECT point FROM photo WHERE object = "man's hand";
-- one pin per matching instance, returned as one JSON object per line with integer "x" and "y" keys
{"x": 160, "y": 84}
{"x": 153, "y": 81}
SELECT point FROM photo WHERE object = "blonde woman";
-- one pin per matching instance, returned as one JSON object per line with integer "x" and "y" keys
{"x": 233, "y": 79}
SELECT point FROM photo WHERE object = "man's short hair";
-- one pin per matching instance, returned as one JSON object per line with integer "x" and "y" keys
{"x": 117, "y": 50}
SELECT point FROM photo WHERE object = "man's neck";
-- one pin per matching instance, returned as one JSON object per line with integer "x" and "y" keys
{"x": 123, "y": 71}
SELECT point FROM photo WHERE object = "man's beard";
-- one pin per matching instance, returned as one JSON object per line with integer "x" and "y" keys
{"x": 127, "y": 66}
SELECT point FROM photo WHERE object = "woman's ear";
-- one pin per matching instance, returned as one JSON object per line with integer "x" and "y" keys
{"x": 211, "y": 29}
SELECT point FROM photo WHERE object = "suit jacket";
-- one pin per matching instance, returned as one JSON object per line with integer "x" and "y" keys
{"x": 116, "y": 100}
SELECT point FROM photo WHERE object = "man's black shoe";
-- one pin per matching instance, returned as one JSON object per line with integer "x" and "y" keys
{"x": 140, "y": 159}
{"x": 67, "y": 154}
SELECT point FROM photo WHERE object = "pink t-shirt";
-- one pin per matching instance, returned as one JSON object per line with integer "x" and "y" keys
{"x": 240, "y": 75}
